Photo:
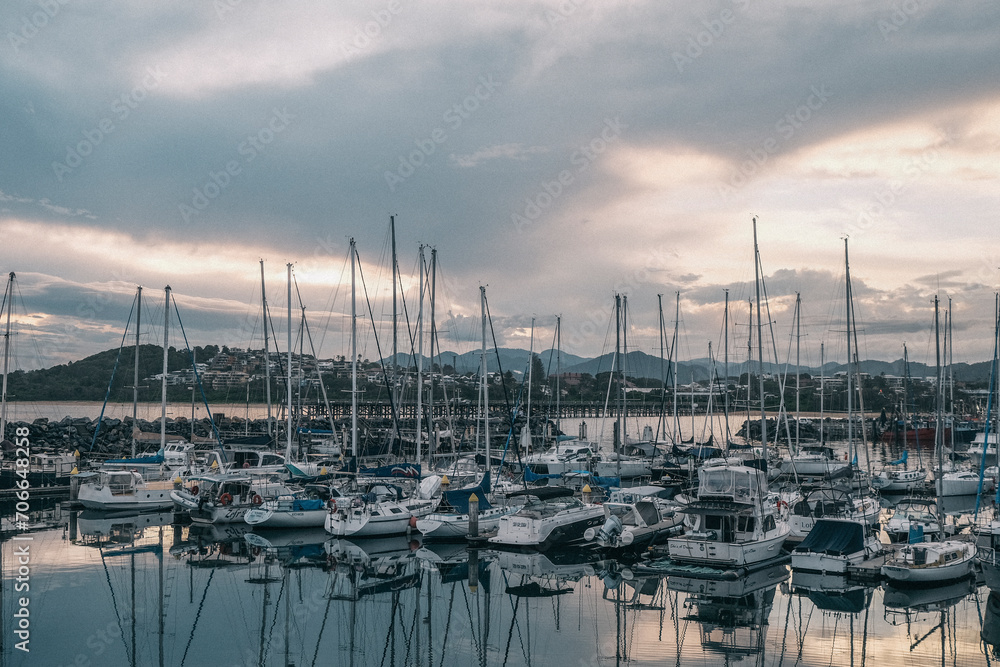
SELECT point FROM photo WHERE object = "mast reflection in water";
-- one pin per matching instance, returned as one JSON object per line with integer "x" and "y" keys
{"x": 141, "y": 590}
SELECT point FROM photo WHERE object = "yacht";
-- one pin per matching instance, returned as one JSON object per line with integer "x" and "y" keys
{"x": 931, "y": 563}
{"x": 835, "y": 544}
{"x": 123, "y": 489}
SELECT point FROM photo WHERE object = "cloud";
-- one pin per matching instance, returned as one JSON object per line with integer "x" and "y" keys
{"x": 509, "y": 151}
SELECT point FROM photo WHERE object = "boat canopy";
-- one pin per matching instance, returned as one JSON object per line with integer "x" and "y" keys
{"x": 544, "y": 492}
{"x": 835, "y": 538}
{"x": 459, "y": 498}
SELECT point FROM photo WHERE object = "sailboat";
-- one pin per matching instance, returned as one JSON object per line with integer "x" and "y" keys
{"x": 932, "y": 562}
{"x": 128, "y": 489}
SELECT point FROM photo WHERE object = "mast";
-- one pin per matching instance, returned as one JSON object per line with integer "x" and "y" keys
{"x": 163, "y": 382}
{"x": 850, "y": 358}
{"x": 938, "y": 431}
{"x": 395, "y": 328}
{"x": 822, "y": 390}
{"x": 420, "y": 356}
{"x": 558, "y": 374}
{"x": 135, "y": 375}
{"x": 725, "y": 382}
{"x": 760, "y": 341}
{"x": 618, "y": 370}
{"x": 674, "y": 357}
{"x": 430, "y": 381}
{"x": 354, "y": 355}
{"x": 663, "y": 375}
{"x": 798, "y": 370}
{"x": 486, "y": 385}
{"x": 288, "y": 372}
{"x": 267, "y": 351}
{"x": 9, "y": 298}
{"x": 951, "y": 371}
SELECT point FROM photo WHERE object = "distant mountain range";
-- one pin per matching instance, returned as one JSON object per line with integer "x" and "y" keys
{"x": 641, "y": 364}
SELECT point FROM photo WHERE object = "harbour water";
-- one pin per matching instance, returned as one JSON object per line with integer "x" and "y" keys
{"x": 108, "y": 590}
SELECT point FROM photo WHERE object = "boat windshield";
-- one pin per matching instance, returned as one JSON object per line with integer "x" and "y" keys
{"x": 740, "y": 484}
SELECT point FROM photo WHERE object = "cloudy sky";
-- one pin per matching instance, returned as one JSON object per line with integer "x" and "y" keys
{"x": 556, "y": 152}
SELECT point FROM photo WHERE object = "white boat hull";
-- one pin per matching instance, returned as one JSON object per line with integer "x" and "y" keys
{"x": 689, "y": 549}
{"x": 267, "y": 518}
{"x": 143, "y": 499}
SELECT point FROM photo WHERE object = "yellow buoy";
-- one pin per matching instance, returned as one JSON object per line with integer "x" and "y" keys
{"x": 74, "y": 471}
{"x": 444, "y": 479}
{"x": 586, "y": 488}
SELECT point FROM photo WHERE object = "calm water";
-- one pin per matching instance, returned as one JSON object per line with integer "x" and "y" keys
{"x": 141, "y": 591}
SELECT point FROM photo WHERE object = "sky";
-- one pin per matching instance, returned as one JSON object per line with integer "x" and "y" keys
{"x": 555, "y": 152}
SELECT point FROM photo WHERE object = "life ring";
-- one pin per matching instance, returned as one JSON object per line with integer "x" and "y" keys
{"x": 257, "y": 500}
{"x": 782, "y": 503}
{"x": 226, "y": 498}
{"x": 246, "y": 464}
{"x": 194, "y": 490}
{"x": 331, "y": 505}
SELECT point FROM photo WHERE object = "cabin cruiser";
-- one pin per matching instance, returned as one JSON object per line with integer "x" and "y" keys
{"x": 551, "y": 517}
{"x": 569, "y": 456}
{"x": 734, "y": 522}
{"x": 913, "y": 516}
{"x": 123, "y": 489}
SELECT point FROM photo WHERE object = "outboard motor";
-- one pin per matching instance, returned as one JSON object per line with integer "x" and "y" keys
{"x": 610, "y": 529}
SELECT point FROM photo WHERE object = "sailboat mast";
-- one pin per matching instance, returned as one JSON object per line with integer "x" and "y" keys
{"x": 267, "y": 351}
{"x": 850, "y": 357}
{"x": 725, "y": 381}
{"x": 558, "y": 374}
{"x": 485, "y": 384}
{"x": 430, "y": 380}
{"x": 661, "y": 425}
{"x": 951, "y": 372}
{"x": 395, "y": 328}
{"x": 135, "y": 373}
{"x": 675, "y": 357}
{"x": 618, "y": 372}
{"x": 420, "y": 357}
{"x": 163, "y": 381}
{"x": 938, "y": 434}
{"x": 760, "y": 341}
{"x": 798, "y": 370}
{"x": 9, "y": 298}
{"x": 288, "y": 372}
{"x": 354, "y": 355}
{"x": 822, "y": 390}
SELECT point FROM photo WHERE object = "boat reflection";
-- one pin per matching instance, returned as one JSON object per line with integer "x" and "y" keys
{"x": 116, "y": 529}
{"x": 831, "y": 593}
{"x": 373, "y": 566}
{"x": 732, "y": 613}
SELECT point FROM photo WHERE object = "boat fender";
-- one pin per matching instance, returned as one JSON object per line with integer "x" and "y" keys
{"x": 246, "y": 464}
{"x": 257, "y": 500}
{"x": 413, "y": 522}
{"x": 226, "y": 498}
{"x": 194, "y": 490}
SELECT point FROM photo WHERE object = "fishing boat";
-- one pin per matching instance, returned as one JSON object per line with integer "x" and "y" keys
{"x": 734, "y": 523}
{"x": 930, "y": 563}
{"x": 551, "y": 517}
{"x": 835, "y": 544}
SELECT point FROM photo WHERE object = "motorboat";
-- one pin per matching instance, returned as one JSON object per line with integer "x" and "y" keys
{"x": 930, "y": 563}
{"x": 734, "y": 523}
{"x": 122, "y": 490}
{"x": 835, "y": 544}
{"x": 551, "y": 517}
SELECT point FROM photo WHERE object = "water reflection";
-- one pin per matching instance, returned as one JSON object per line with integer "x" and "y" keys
{"x": 156, "y": 592}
